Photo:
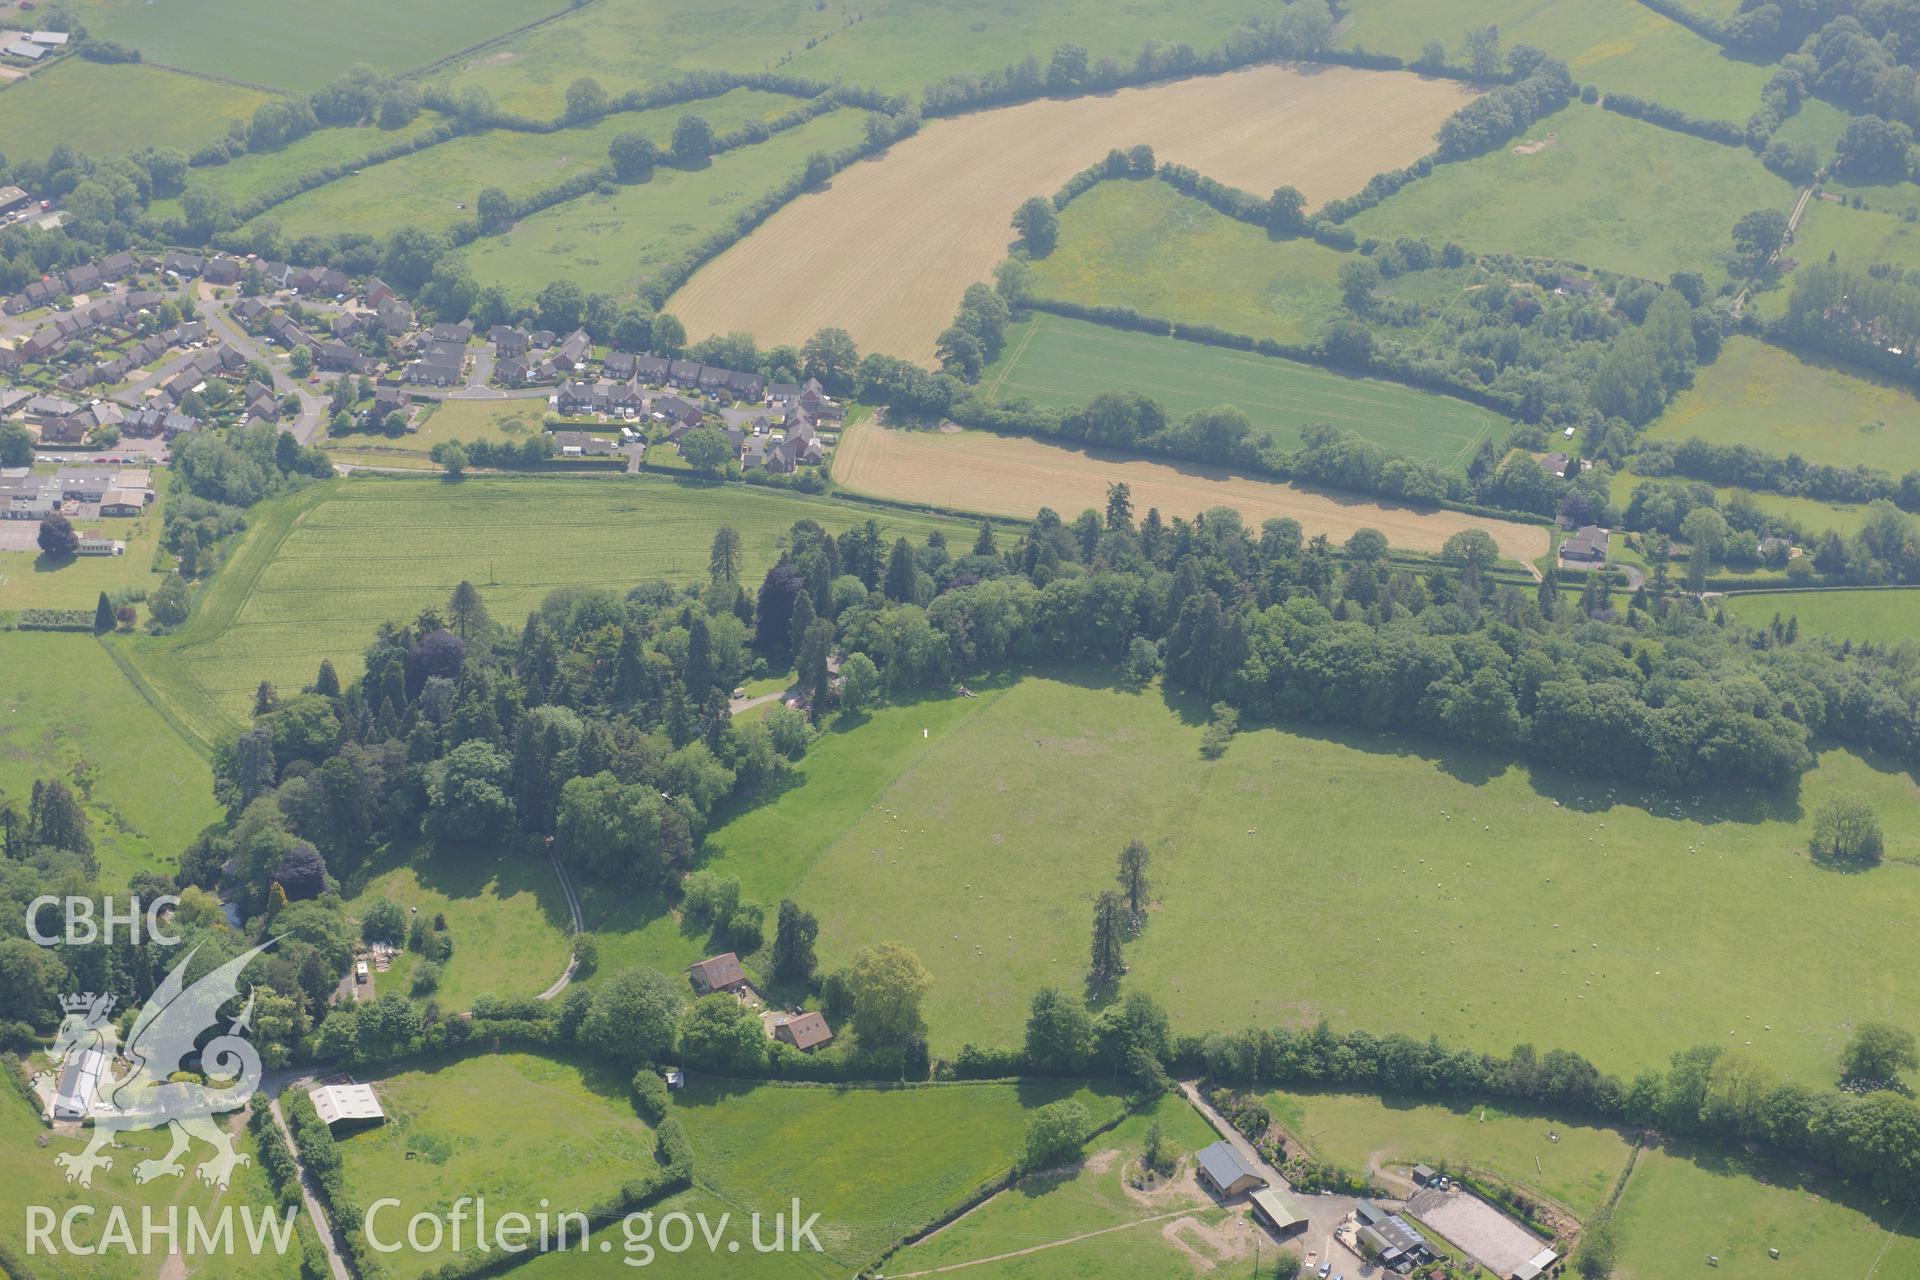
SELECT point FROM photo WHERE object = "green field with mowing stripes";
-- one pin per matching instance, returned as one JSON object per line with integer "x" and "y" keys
{"x": 318, "y": 572}
{"x": 1060, "y": 363}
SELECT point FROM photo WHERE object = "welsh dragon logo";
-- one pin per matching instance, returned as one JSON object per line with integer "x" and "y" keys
{"x": 125, "y": 1088}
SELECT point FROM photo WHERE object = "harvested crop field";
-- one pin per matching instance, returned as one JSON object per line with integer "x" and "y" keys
{"x": 1014, "y": 476}
{"x": 886, "y": 250}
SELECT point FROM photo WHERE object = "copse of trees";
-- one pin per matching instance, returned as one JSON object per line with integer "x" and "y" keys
{"x": 1543, "y": 86}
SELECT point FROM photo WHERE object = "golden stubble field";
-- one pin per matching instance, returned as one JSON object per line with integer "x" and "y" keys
{"x": 886, "y": 250}
{"x": 1015, "y": 476}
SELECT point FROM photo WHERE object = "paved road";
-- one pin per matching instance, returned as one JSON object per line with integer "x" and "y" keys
{"x": 312, "y": 407}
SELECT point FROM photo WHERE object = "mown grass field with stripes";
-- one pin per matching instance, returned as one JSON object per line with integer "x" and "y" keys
{"x": 319, "y": 571}
{"x": 1061, "y": 363}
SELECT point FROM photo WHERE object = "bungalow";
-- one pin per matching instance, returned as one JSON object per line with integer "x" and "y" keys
{"x": 804, "y": 1031}
{"x": 94, "y": 544}
{"x": 1589, "y": 546}
{"x": 1225, "y": 1172}
{"x": 12, "y": 398}
{"x": 718, "y": 973}
{"x": 581, "y": 444}
{"x": 47, "y": 410}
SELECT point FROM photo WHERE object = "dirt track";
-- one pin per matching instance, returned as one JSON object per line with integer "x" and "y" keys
{"x": 1014, "y": 476}
{"x": 887, "y": 249}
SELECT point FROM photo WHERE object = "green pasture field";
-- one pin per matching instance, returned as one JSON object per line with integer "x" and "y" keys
{"x": 1780, "y": 402}
{"x": 256, "y": 173}
{"x": 1146, "y": 246}
{"x": 520, "y": 1129}
{"x": 612, "y": 244}
{"x": 875, "y": 1163}
{"x": 436, "y": 187}
{"x": 110, "y": 109}
{"x": 504, "y": 908}
{"x": 1857, "y": 238}
{"x": 304, "y": 45}
{"x": 1882, "y": 617}
{"x": 318, "y": 572}
{"x": 1061, "y": 363}
{"x": 1625, "y": 924}
{"x": 34, "y": 1180}
{"x": 1817, "y": 124}
{"x": 1620, "y": 45}
{"x": 1362, "y": 1133}
{"x": 1683, "y": 1203}
{"x": 1605, "y": 190}
{"x": 899, "y": 46}
{"x": 67, "y": 710}
{"x": 440, "y": 420}
{"x": 1061, "y": 1204}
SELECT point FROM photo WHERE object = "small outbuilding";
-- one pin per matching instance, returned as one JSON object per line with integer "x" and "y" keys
{"x": 1423, "y": 1174}
{"x": 1535, "y": 1267}
{"x": 1225, "y": 1172}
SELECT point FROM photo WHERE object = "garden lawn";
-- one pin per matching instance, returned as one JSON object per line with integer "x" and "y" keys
{"x": 1061, "y": 363}
{"x": 898, "y": 46}
{"x": 1619, "y": 930}
{"x": 34, "y": 1180}
{"x": 1685, "y": 1203}
{"x": 1143, "y": 245}
{"x": 1621, "y": 45}
{"x": 318, "y": 572}
{"x": 1059, "y": 1204}
{"x": 110, "y": 109}
{"x": 1605, "y": 191}
{"x": 304, "y": 44}
{"x": 34, "y": 580}
{"x": 613, "y": 244}
{"x": 66, "y": 710}
{"x": 1361, "y": 1133}
{"x": 524, "y": 1131}
{"x": 1779, "y": 402}
{"x": 1881, "y": 617}
{"x": 437, "y": 187}
{"x": 504, "y": 908}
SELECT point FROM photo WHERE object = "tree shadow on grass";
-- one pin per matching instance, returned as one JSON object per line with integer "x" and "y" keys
{"x": 1801, "y": 1177}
